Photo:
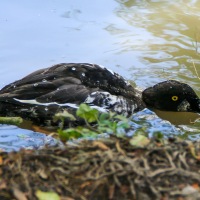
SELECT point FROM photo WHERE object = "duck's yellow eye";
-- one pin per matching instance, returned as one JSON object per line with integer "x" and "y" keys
{"x": 174, "y": 98}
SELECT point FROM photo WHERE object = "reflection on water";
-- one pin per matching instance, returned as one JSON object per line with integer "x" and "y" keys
{"x": 144, "y": 41}
{"x": 13, "y": 138}
{"x": 164, "y": 35}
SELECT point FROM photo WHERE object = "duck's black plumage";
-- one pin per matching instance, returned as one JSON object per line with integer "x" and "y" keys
{"x": 171, "y": 95}
{"x": 42, "y": 94}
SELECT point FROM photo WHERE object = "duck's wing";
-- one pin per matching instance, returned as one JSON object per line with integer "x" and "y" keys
{"x": 49, "y": 91}
{"x": 40, "y": 95}
{"x": 66, "y": 83}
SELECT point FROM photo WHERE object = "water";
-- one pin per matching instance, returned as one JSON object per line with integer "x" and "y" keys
{"x": 144, "y": 41}
{"x": 13, "y": 138}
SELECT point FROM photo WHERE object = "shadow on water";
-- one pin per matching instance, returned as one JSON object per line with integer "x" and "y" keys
{"x": 178, "y": 118}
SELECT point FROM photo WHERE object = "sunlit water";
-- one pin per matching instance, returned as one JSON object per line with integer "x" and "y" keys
{"x": 144, "y": 41}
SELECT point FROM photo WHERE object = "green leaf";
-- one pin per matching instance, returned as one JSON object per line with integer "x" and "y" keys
{"x": 121, "y": 118}
{"x": 88, "y": 133}
{"x": 158, "y": 135}
{"x": 69, "y": 133}
{"x": 105, "y": 123}
{"x": 105, "y": 129}
{"x": 104, "y": 116}
{"x": 123, "y": 125}
{"x": 47, "y": 195}
{"x": 87, "y": 113}
{"x": 112, "y": 114}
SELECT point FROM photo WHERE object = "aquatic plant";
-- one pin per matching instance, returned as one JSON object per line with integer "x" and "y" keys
{"x": 95, "y": 123}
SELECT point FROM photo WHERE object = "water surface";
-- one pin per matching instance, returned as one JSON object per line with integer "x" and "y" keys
{"x": 144, "y": 41}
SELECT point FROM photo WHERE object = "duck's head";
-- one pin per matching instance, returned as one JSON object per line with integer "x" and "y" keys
{"x": 171, "y": 96}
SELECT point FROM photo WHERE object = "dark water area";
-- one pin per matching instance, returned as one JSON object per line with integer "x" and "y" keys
{"x": 144, "y": 41}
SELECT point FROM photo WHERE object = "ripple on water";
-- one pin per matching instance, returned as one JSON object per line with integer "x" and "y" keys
{"x": 150, "y": 123}
{"x": 13, "y": 138}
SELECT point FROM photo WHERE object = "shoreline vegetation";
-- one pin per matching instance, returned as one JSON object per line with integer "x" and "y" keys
{"x": 116, "y": 167}
{"x": 109, "y": 168}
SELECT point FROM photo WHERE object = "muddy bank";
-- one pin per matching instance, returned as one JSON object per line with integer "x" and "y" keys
{"x": 109, "y": 169}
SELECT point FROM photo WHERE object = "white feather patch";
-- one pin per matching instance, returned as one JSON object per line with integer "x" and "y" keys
{"x": 184, "y": 106}
{"x": 71, "y": 105}
{"x": 34, "y": 102}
